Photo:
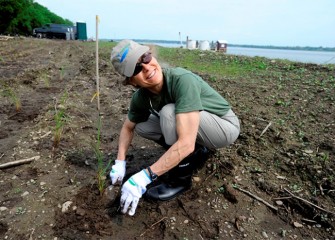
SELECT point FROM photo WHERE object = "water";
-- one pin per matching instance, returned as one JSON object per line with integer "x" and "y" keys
{"x": 292, "y": 55}
{"x": 317, "y": 57}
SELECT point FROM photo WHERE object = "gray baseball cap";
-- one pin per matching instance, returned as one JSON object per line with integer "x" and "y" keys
{"x": 125, "y": 56}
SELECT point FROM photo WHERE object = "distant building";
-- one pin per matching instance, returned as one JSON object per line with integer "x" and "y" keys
{"x": 221, "y": 46}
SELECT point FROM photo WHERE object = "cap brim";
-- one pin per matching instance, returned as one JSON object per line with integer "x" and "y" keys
{"x": 133, "y": 58}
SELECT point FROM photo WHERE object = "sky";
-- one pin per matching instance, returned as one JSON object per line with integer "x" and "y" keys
{"x": 257, "y": 22}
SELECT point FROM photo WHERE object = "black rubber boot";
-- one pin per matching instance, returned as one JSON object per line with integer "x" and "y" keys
{"x": 180, "y": 177}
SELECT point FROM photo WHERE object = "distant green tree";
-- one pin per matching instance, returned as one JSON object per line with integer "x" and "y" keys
{"x": 21, "y": 16}
{"x": 9, "y": 10}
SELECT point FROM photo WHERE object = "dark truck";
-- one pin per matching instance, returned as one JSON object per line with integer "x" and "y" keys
{"x": 55, "y": 31}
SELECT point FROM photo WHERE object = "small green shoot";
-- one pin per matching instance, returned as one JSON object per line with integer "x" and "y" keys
{"x": 20, "y": 211}
{"x": 10, "y": 93}
{"x": 17, "y": 190}
{"x": 102, "y": 169}
{"x": 46, "y": 79}
{"x": 60, "y": 119}
{"x": 61, "y": 73}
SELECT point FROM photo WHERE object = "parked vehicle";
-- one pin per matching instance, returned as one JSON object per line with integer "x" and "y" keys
{"x": 55, "y": 31}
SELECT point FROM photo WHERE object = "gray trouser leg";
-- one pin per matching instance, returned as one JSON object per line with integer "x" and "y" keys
{"x": 214, "y": 131}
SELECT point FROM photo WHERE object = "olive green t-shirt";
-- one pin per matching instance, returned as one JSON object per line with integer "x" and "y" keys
{"x": 188, "y": 91}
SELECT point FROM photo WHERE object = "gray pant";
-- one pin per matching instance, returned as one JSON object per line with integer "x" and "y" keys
{"x": 213, "y": 132}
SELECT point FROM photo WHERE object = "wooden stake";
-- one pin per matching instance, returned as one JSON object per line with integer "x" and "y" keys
{"x": 19, "y": 162}
{"x": 97, "y": 60}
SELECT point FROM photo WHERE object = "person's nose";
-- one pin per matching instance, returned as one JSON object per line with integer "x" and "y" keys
{"x": 145, "y": 67}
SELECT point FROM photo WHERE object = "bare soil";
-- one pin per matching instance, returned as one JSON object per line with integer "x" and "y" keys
{"x": 275, "y": 182}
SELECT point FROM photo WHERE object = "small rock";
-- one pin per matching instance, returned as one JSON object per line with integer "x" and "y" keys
{"x": 61, "y": 106}
{"x": 186, "y": 221}
{"x": 3, "y": 209}
{"x": 65, "y": 206}
{"x": 80, "y": 212}
{"x": 265, "y": 235}
{"x": 283, "y": 233}
{"x": 242, "y": 218}
{"x": 24, "y": 194}
{"x": 279, "y": 203}
{"x": 297, "y": 225}
{"x": 308, "y": 151}
{"x": 196, "y": 179}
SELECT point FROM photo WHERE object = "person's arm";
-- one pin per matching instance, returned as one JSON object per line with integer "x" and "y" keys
{"x": 126, "y": 136}
{"x": 187, "y": 129}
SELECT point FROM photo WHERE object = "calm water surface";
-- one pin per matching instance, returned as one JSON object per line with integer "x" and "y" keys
{"x": 292, "y": 55}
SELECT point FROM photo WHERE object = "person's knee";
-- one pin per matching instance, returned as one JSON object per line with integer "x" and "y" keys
{"x": 168, "y": 111}
{"x": 139, "y": 129}
{"x": 168, "y": 123}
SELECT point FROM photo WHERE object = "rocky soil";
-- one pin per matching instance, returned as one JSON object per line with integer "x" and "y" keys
{"x": 277, "y": 181}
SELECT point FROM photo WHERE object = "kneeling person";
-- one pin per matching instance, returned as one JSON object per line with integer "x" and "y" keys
{"x": 175, "y": 108}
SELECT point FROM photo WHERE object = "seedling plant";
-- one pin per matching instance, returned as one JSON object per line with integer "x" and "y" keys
{"x": 14, "y": 98}
{"x": 60, "y": 119}
{"x": 102, "y": 167}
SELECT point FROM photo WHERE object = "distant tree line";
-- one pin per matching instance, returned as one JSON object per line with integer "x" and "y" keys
{"x": 22, "y": 16}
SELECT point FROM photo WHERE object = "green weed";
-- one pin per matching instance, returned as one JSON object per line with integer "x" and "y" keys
{"x": 60, "y": 119}
{"x": 218, "y": 64}
{"x": 46, "y": 79}
{"x": 61, "y": 73}
{"x": 102, "y": 168}
{"x": 10, "y": 93}
{"x": 296, "y": 188}
{"x": 20, "y": 211}
{"x": 283, "y": 103}
{"x": 17, "y": 190}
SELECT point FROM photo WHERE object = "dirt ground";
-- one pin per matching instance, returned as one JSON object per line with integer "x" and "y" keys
{"x": 277, "y": 181}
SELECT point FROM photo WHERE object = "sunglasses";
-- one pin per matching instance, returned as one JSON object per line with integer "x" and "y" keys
{"x": 145, "y": 58}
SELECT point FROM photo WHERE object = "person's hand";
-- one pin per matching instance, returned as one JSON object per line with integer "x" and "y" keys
{"x": 132, "y": 191}
{"x": 118, "y": 171}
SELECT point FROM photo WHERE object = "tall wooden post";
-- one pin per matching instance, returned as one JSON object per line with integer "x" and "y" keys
{"x": 97, "y": 59}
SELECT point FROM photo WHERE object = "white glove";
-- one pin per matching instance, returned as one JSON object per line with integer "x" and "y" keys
{"x": 118, "y": 171}
{"x": 132, "y": 191}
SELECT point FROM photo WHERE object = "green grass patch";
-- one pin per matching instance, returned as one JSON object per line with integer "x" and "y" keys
{"x": 215, "y": 63}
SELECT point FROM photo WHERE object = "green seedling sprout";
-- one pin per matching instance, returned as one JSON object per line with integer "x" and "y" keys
{"x": 9, "y": 92}
{"x": 60, "y": 119}
{"x": 102, "y": 168}
{"x": 45, "y": 79}
{"x": 61, "y": 73}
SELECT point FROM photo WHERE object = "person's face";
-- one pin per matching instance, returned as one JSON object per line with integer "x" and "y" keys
{"x": 148, "y": 73}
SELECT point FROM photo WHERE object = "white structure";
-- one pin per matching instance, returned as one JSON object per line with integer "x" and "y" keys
{"x": 191, "y": 44}
{"x": 204, "y": 45}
